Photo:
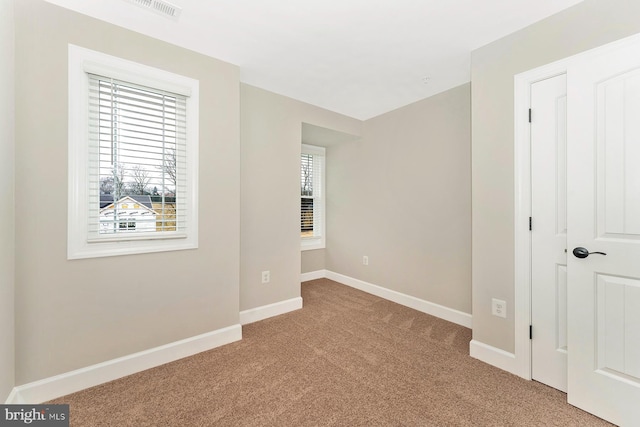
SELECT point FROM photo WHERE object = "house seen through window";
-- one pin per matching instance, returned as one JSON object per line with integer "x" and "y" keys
{"x": 137, "y": 134}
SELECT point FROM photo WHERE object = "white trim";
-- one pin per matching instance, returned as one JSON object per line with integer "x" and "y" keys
{"x": 437, "y": 310}
{"x": 80, "y": 379}
{"x": 81, "y": 61}
{"x": 312, "y": 243}
{"x": 313, "y": 150}
{"x": 317, "y": 242}
{"x": 270, "y": 310}
{"x": 494, "y": 357}
{"x": 13, "y": 398}
{"x": 522, "y": 210}
{"x": 131, "y": 72}
{"x": 313, "y": 275}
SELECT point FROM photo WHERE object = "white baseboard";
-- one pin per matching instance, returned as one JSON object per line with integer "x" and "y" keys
{"x": 437, "y": 310}
{"x": 494, "y": 356}
{"x": 270, "y": 310}
{"x": 13, "y": 397}
{"x": 313, "y": 275}
{"x": 80, "y": 379}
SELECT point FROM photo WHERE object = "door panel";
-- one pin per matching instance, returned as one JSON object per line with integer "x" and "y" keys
{"x": 549, "y": 232}
{"x": 604, "y": 215}
{"x": 618, "y": 319}
{"x": 561, "y": 314}
{"x": 618, "y": 99}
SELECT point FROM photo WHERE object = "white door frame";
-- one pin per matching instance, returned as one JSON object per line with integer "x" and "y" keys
{"x": 522, "y": 189}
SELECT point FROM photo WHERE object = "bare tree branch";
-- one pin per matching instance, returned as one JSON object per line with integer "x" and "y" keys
{"x": 119, "y": 173}
{"x": 140, "y": 180}
{"x": 170, "y": 169}
{"x": 306, "y": 183}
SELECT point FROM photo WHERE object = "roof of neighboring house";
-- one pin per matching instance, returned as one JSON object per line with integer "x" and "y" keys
{"x": 143, "y": 199}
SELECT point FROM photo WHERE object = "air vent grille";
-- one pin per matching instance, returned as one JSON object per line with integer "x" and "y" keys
{"x": 160, "y": 7}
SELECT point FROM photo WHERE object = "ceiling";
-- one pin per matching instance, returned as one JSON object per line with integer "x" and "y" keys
{"x": 360, "y": 58}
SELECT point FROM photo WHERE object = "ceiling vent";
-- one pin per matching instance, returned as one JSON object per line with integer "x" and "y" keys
{"x": 160, "y": 7}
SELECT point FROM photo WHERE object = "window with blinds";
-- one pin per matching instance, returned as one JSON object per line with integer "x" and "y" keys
{"x": 312, "y": 202}
{"x": 137, "y": 142}
{"x": 133, "y": 157}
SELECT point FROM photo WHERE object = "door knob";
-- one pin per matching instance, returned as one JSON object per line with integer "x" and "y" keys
{"x": 580, "y": 252}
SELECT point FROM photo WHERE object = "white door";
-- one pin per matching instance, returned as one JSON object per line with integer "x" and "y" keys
{"x": 603, "y": 183}
{"x": 549, "y": 232}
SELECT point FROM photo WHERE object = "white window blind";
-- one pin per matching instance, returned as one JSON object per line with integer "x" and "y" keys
{"x": 132, "y": 157}
{"x": 137, "y": 161}
{"x": 312, "y": 212}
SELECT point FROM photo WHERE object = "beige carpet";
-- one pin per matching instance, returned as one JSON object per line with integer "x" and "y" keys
{"x": 346, "y": 359}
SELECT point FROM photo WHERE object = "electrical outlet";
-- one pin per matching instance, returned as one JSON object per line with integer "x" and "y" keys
{"x": 499, "y": 308}
{"x": 266, "y": 276}
{"x": 365, "y": 260}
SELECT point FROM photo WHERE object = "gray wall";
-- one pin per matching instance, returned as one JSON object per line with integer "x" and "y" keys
{"x": 72, "y": 314}
{"x": 313, "y": 261}
{"x": 402, "y": 196}
{"x": 7, "y": 196}
{"x": 584, "y": 26}
{"x": 271, "y": 129}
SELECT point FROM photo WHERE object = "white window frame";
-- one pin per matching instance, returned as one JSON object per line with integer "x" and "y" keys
{"x": 319, "y": 205}
{"x": 81, "y": 62}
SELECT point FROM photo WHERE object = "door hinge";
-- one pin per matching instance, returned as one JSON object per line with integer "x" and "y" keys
{"x": 529, "y": 115}
{"x": 530, "y": 332}
{"x": 530, "y": 224}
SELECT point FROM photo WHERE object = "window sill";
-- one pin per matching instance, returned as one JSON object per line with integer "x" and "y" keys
{"x": 308, "y": 244}
{"x": 81, "y": 250}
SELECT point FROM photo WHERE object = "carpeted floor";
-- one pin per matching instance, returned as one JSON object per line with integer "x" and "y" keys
{"x": 346, "y": 359}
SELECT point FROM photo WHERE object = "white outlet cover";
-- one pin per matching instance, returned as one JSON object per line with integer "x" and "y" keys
{"x": 266, "y": 276}
{"x": 499, "y": 308}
